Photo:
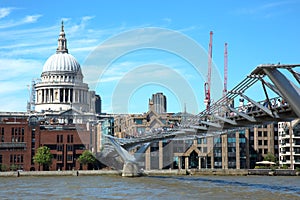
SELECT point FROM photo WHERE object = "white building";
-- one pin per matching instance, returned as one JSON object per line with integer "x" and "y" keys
{"x": 61, "y": 87}
{"x": 289, "y": 143}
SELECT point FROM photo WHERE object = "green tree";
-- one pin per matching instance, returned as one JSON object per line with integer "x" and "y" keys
{"x": 270, "y": 157}
{"x": 43, "y": 157}
{"x": 3, "y": 168}
{"x": 13, "y": 167}
{"x": 87, "y": 158}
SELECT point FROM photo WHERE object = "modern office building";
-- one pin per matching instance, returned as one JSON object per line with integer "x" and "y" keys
{"x": 266, "y": 140}
{"x": 235, "y": 149}
{"x": 159, "y": 102}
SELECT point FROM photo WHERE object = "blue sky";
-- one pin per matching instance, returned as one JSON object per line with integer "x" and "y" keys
{"x": 256, "y": 32}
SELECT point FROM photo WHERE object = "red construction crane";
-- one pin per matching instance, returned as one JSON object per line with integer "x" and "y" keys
{"x": 225, "y": 69}
{"x": 207, "y": 84}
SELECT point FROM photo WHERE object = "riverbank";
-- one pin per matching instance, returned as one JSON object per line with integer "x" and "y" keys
{"x": 62, "y": 173}
{"x": 169, "y": 172}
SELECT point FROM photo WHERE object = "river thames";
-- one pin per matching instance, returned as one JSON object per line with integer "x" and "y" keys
{"x": 152, "y": 187}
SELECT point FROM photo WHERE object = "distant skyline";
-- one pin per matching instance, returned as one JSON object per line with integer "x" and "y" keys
{"x": 257, "y": 32}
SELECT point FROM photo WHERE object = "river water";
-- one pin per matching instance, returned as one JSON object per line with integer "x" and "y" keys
{"x": 156, "y": 187}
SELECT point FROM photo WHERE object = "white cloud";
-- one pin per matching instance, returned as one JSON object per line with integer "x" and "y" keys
{"x": 81, "y": 26}
{"x": 31, "y": 18}
{"x": 5, "y": 12}
{"x": 26, "y": 20}
{"x": 18, "y": 68}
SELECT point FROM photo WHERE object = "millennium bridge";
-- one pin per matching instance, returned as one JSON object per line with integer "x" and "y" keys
{"x": 278, "y": 79}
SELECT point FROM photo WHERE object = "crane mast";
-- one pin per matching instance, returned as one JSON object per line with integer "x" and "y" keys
{"x": 225, "y": 69}
{"x": 208, "y": 83}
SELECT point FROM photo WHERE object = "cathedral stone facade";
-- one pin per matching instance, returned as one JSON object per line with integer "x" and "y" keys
{"x": 61, "y": 87}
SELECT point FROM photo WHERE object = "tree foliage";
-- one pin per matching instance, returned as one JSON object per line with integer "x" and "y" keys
{"x": 3, "y": 168}
{"x": 87, "y": 158}
{"x": 43, "y": 156}
{"x": 270, "y": 157}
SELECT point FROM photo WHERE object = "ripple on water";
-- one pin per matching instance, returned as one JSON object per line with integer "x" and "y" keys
{"x": 174, "y": 187}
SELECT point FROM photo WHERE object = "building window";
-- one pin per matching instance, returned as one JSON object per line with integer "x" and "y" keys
{"x": 59, "y": 157}
{"x": 60, "y": 147}
{"x": 265, "y": 134}
{"x": 259, "y": 134}
{"x": 2, "y": 134}
{"x": 242, "y": 140}
{"x": 217, "y": 140}
{"x": 70, "y": 139}
{"x": 138, "y": 121}
{"x": 59, "y": 138}
{"x": 259, "y": 142}
{"x": 69, "y": 157}
{"x": 0, "y": 158}
{"x": 265, "y": 142}
{"x": 69, "y": 147}
{"x": 231, "y": 140}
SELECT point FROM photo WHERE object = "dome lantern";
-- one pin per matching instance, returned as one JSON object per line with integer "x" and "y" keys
{"x": 62, "y": 41}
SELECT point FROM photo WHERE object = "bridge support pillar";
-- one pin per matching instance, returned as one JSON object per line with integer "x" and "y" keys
{"x": 130, "y": 169}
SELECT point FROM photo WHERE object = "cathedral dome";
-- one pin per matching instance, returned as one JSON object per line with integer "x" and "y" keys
{"x": 61, "y": 62}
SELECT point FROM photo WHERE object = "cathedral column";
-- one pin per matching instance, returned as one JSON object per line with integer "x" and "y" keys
{"x": 48, "y": 96}
{"x": 46, "y": 90}
{"x": 43, "y": 95}
{"x": 58, "y": 96}
{"x": 81, "y": 96}
{"x": 64, "y": 95}
{"x": 51, "y": 95}
{"x": 74, "y": 96}
{"x": 69, "y": 95}
{"x": 77, "y": 95}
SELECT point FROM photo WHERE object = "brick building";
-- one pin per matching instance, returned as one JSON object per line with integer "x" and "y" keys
{"x": 15, "y": 144}
{"x": 21, "y": 137}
